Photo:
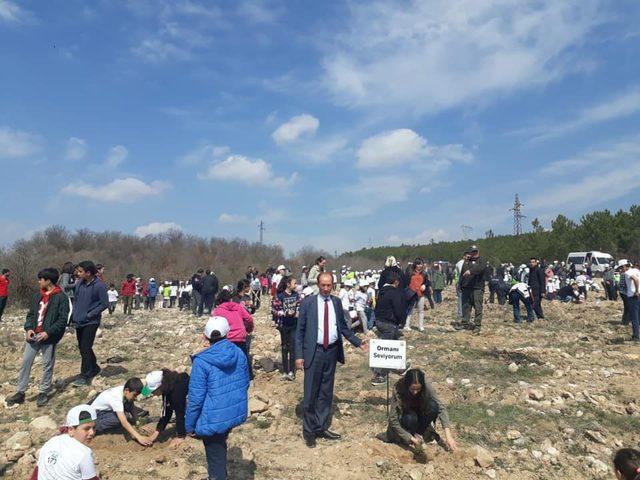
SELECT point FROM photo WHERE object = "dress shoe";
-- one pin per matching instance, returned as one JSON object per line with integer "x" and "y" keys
{"x": 310, "y": 441}
{"x": 329, "y": 435}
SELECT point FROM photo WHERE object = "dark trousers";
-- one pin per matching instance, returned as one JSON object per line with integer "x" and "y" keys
{"x": 215, "y": 448}
{"x": 386, "y": 331}
{"x": 633, "y": 304}
{"x": 287, "y": 340}
{"x": 427, "y": 294}
{"x": 86, "y": 336}
{"x": 152, "y": 303}
{"x": 437, "y": 296}
{"x": 245, "y": 349}
{"x": 3, "y": 305}
{"x": 127, "y": 305}
{"x": 625, "y": 309}
{"x": 318, "y": 390}
{"x": 417, "y": 422}
{"x": 207, "y": 302}
{"x": 583, "y": 291}
{"x": 172, "y": 302}
{"x": 536, "y": 302}
{"x": 502, "y": 296}
{"x": 196, "y": 301}
{"x": 515, "y": 299}
{"x": 108, "y": 420}
{"x": 472, "y": 299}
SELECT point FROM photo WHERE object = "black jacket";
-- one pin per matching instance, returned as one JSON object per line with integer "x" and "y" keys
{"x": 175, "y": 401}
{"x": 391, "y": 305}
{"x": 210, "y": 284}
{"x": 196, "y": 282}
{"x": 55, "y": 319}
{"x": 536, "y": 279}
{"x": 384, "y": 277}
{"x": 476, "y": 279}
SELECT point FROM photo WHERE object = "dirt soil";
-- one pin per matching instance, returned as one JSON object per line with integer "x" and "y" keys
{"x": 551, "y": 400}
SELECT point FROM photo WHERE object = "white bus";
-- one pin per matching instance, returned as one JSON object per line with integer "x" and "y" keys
{"x": 599, "y": 261}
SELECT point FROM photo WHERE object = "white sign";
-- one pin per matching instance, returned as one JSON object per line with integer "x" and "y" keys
{"x": 391, "y": 354}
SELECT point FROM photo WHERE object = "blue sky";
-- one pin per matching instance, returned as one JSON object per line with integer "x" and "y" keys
{"x": 340, "y": 124}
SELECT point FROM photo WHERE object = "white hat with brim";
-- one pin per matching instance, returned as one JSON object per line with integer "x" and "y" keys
{"x": 73, "y": 417}
{"x": 153, "y": 382}
{"x": 216, "y": 324}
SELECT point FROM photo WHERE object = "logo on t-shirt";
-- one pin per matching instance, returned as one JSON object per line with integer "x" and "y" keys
{"x": 52, "y": 459}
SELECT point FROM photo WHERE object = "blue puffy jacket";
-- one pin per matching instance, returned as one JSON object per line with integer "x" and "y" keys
{"x": 152, "y": 290}
{"x": 218, "y": 397}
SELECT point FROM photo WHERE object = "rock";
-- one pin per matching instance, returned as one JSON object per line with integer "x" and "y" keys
{"x": 537, "y": 454}
{"x": 513, "y": 368}
{"x": 257, "y": 406}
{"x": 415, "y": 474}
{"x": 429, "y": 469}
{"x": 553, "y": 451}
{"x": 115, "y": 359}
{"x": 535, "y": 394}
{"x": 19, "y": 441}
{"x": 597, "y": 465}
{"x": 491, "y": 473}
{"x": 513, "y": 434}
{"x": 264, "y": 421}
{"x": 113, "y": 370}
{"x": 43, "y": 423}
{"x": 465, "y": 381}
{"x": 267, "y": 364}
{"x": 490, "y": 413}
{"x": 482, "y": 457}
{"x": 596, "y": 437}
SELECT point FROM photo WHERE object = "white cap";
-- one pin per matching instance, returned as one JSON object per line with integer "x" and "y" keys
{"x": 307, "y": 291}
{"x": 154, "y": 380}
{"x": 73, "y": 417}
{"x": 217, "y": 323}
{"x": 364, "y": 283}
{"x": 281, "y": 267}
{"x": 623, "y": 262}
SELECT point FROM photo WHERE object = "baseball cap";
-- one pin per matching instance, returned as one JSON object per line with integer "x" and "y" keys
{"x": 622, "y": 263}
{"x": 473, "y": 248}
{"x": 153, "y": 382}
{"x": 216, "y": 323}
{"x": 73, "y": 417}
{"x": 281, "y": 267}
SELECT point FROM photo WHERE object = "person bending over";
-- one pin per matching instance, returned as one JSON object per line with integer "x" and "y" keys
{"x": 173, "y": 387}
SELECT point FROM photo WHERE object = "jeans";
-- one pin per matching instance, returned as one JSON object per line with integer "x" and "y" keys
{"x": 515, "y": 299}
{"x": 288, "y": 341}
{"x": 112, "y": 307}
{"x": 419, "y": 303}
{"x": 625, "y": 309}
{"x": 86, "y": 336}
{"x": 137, "y": 302}
{"x": 152, "y": 302}
{"x": 196, "y": 302}
{"x": 207, "y": 303}
{"x": 372, "y": 318}
{"x": 536, "y": 302}
{"x": 362, "y": 316}
{"x": 459, "y": 302}
{"x": 215, "y": 448}
{"x": 31, "y": 349}
{"x": 437, "y": 296}
{"x": 634, "y": 315}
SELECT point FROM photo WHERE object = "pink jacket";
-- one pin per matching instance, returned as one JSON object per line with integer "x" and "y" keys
{"x": 240, "y": 321}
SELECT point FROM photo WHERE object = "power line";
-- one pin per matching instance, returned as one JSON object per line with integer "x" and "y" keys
{"x": 517, "y": 216}
{"x": 261, "y": 228}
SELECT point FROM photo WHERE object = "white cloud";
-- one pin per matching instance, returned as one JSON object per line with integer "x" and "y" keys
{"x": 11, "y": 12}
{"x": 404, "y": 146}
{"x": 238, "y": 168}
{"x": 76, "y": 149}
{"x": 424, "y": 57}
{"x": 232, "y": 218}
{"x": 371, "y": 192}
{"x": 155, "y": 228}
{"x": 122, "y": 190}
{"x": 619, "y": 106}
{"x": 117, "y": 155}
{"x": 437, "y": 235}
{"x": 17, "y": 143}
{"x": 204, "y": 154}
{"x": 296, "y": 127}
{"x": 260, "y": 11}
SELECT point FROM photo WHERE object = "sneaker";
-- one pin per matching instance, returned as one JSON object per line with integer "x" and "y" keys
{"x": 80, "y": 382}
{"x": 291, "y": 377}
{"x": 635, "y": 339}
{"x": 421, "y": 330}
{"x": 284, "y": 376}
{"x": 15, "y": 399}
{"x": 42, "y": 399}
{"x": 377, "y": 381}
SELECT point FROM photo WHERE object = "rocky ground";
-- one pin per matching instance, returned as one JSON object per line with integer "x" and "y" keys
{"x": 552, "y": 400}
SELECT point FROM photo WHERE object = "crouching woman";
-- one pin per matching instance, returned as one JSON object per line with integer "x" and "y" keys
{"x": 414, "y": 409}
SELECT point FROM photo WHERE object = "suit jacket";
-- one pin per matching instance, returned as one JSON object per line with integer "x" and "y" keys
{"x": 307, "y": 329}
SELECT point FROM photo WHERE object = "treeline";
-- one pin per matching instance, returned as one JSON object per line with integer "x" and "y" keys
{"x": 616, "y": 233}
{"x": 167, "y": 256}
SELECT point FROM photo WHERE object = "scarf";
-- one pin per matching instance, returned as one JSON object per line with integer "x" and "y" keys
{"x": 44, "y": 305}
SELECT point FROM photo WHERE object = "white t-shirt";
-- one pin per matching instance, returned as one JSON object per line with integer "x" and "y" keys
{"x": 113, "y": 295}
{"x": 631, "y": 286}
{"x": 361, "y": 300}
{"x": 174, "y": 291}
{"x": 111, "y": 400}
{"x": 522, "y": 287}
{"x": 65, "y": 458}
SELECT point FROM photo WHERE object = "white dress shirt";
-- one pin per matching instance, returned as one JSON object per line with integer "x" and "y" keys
{"x": 333, "y": 324}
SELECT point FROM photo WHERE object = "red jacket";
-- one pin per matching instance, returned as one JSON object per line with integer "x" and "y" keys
{"x": 4, "y": 286}
{"x": 128, "y": 288}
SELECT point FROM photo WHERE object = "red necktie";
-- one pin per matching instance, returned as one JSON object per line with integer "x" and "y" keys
{"x": 325, "y": 340}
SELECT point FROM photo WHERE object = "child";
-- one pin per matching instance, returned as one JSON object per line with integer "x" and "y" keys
{"x": 45, "y": 325}
{"x": 284, "y": 308}
{"x": 520, "y": 292}
{"x": 115, "y": 407}
{"x": 166, "y": 295}
{"x": 173, "y": 387}
{"x": 113, "y": 298}
{"x": 240, "y": 322}
{"x": 371, "y": 303}
{"x": 128, "y": 291}
{"x": 361, "y": 300}
{"x": 173, "y": 294}
{"x": 219, "y": 377}
{"x": 68, "y": 456}
{"x": 627, "y": 464}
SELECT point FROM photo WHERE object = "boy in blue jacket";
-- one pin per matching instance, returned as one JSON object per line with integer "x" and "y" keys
{"x": 218, "y": 398}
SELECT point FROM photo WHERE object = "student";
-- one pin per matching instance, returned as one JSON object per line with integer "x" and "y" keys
{"x": 173, "y": 294}
{"x": 112, "y": 293}
{"x": 91, "y": 301}
{"x": 219, "y": 377}
{"x": 569, "y": 293}
{"x": 67, "y": 280}
{"x": 68, "y": 456}
{"x": 4, "y": 289}
{"x": 128, "y": 291}
{"x": 361, "y": 300}
{"x": 152, "y": 293}
{"x": 166, "y": 295}
{"x": 415, "y": 406}
{"x": 173, "y": 387}
{"x": 284, "y": 307}
{"x": 240, "y": 322}
{"x": 627, "y": 464}
{"x": 45, "y": 326}
{"x": 115, "y": 408}
{"x": 521, "y": 292}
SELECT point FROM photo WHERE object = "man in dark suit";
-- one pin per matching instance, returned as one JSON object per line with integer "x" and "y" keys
{"x": 321, "y": 326}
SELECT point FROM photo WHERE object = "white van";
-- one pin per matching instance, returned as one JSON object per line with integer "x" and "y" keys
{"x": 599, "y": 260}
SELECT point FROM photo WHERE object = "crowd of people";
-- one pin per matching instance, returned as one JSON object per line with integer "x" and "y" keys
{"x": 313, "y": 314}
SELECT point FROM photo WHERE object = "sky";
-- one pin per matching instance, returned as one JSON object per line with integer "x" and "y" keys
{"x": 339, "y": 124}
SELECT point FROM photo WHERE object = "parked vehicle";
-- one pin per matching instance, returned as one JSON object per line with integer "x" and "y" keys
{"x": 599, "y": 261}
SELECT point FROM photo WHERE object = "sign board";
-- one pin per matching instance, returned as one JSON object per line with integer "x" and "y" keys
{"x": 391, "y": 354}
